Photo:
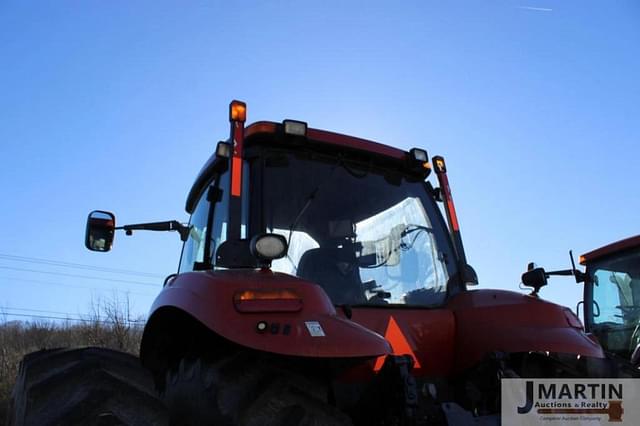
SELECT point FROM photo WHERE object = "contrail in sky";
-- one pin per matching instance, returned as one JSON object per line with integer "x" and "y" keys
{"x": 537, "y": 9}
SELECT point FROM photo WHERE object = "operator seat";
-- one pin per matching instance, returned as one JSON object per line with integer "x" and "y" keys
{"x": 336, "y": 270}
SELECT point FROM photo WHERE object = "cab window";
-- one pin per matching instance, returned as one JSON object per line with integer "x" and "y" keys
{"x": 616, "y": 295}
{"x": 193, "y": 251}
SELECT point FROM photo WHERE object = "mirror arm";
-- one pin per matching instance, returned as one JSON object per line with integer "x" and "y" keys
{"x": 579, "y": 275}
{"x": 172, "y": 225}
{"x": 560, "y": 272}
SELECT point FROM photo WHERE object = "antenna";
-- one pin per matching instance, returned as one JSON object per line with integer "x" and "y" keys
{"x": 578, "y": 275}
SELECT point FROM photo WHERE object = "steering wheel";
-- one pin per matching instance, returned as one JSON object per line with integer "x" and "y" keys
{"x": 626, "y": 310}
{"x": 635, "y": 337}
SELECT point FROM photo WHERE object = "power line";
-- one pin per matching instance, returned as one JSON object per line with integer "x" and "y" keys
{"x": 4, "y": 309}
{"x": 8, "y": 308}
{"x": 60, "y": 263}
{"x": 100, "y": 321}
{"x": 77, "y": 265}
{"x": 41, "y": 282}
{"x": 62, "y": 274}
{"x": 66, "y": 316}
{"x": 83, "y": 266}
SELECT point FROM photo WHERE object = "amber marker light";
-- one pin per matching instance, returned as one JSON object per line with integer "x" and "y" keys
{"x": 266, "y": 294}
{"x": 238, "y": 111}
{"x": 267, "y": 300}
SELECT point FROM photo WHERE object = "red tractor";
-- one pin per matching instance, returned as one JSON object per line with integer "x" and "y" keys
{"x": 320, "y": 284}
{"x": 611, "y": 302}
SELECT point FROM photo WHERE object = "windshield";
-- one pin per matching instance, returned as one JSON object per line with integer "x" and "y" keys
{"x": 368, "y": 236}
{"x": 616, "y": 294}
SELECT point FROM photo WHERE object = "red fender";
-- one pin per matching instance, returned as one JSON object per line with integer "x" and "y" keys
{"x": 209, "y": 297}
{"x": 506, "y": 321}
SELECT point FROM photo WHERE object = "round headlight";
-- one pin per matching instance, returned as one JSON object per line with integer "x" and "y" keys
{"x": 269, "y": 246}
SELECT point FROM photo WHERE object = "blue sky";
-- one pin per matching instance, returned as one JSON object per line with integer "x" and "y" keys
{"x": 116, "y": 105}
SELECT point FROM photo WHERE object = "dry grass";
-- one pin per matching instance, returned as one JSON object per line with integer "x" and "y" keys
{"x": 108, "y": 325}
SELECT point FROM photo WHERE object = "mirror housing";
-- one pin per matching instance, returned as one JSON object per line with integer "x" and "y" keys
{"x": 535, "y": 278}
{"x": 100, "y": 231}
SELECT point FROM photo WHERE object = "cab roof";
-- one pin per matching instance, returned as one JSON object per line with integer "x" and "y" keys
{"x": 617, "y": 246}
{"x": 330, "y": 138}
{"x": 317, "y": 136}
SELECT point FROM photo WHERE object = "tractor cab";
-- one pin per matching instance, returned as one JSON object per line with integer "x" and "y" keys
{"x": 367, "y": 232}
{"x": 612, "y": 297}
{"x": 357, "y": 218}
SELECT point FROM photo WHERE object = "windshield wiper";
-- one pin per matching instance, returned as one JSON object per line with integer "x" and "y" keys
{"x": 304, "y": 208}
{"x": 309, "y": 199}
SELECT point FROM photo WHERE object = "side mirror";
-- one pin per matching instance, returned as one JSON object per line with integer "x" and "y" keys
{"x": 535, "y": 278}
{"x": 101, "y": 227}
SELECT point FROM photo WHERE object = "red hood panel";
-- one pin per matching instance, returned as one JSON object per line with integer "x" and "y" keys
{"x": 506, "y": 321}
{"x": 208, "y": 296}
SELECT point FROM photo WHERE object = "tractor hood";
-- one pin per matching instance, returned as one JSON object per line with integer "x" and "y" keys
{"x": 506, "y": 321}
{"x": 271, "y": 312}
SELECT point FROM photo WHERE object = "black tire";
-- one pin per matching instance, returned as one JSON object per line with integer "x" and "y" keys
{"x": 245, "y": 390}
{"x": 85, "y": 386}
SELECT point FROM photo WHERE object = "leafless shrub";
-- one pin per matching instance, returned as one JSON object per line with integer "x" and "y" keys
{"x": 110, "y": 324}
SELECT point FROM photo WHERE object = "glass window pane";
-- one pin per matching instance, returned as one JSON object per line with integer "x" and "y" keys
{"x": 194, "y": 247}
{"x": 363, "y": 234}
{"x": 616, "y": 294}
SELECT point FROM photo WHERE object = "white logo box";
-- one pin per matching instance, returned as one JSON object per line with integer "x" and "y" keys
{"x": 551, "y": 402}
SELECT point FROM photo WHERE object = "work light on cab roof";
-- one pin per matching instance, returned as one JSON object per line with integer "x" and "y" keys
{"x": 223, "y": 150}
{"x": 295, "y": 128}
{"x": 419, "y": 155}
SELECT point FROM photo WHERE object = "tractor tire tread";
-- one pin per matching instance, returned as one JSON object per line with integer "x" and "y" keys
{"x": 245, "y": 390}
{"x": 82, "y": 386}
